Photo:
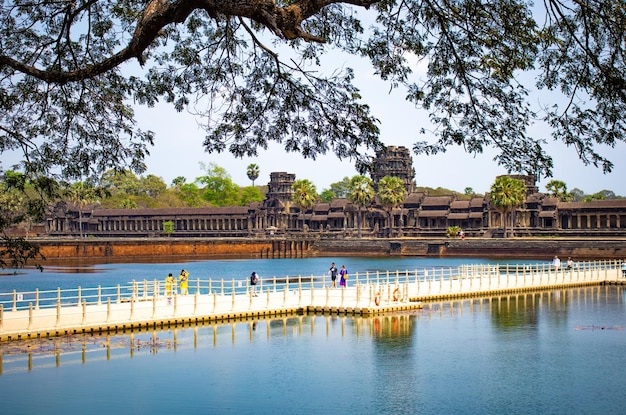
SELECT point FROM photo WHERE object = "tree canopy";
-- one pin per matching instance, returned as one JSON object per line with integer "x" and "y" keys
{"x": 361, "y": 193}
{"x": 72, "y": 71}
{"x": 391, "y": 194}
{"x": 506, "y": 194}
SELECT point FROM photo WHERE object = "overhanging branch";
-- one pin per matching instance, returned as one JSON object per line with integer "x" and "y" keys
{"x": 283, "y": 21}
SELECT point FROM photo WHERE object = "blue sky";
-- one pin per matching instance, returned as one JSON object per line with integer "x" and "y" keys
{"x": 178, "y": 149}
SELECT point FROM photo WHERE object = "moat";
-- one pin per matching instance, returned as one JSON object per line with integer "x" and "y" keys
{"x": 555, "y": 352}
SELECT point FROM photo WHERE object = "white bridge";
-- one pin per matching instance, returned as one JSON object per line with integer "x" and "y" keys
{"x": 37, "y": 313}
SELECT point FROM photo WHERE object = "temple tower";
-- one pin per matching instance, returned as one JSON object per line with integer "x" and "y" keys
{"x": 397, "y": 162}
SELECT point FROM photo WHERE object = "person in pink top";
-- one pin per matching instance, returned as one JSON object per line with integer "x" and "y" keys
{"x": 343, "y": 282}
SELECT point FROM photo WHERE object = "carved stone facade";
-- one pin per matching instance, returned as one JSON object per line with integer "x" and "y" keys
{"x": 421, "y": 215}
{"x": 396, "y": 162}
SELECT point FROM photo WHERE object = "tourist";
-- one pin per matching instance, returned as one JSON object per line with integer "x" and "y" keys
{"x": 624, "y": 268}
{"x": 344, "y": 277}
{"x": 254, "y": 280}
{"x": 183, "y": 279}
{"x": 170, "y": 287}
{"x": 556, "y": 263}
{"x": 333, "y": 275}
{"x": 570, "y": 263}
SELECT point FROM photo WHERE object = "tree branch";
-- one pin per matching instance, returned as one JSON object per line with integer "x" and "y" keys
{"x": 284, "y": 22}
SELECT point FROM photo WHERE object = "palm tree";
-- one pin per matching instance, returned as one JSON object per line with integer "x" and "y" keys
{"x": 304, "y": 195}
{"x": 391, "y": 194}
{"x": 81, "y": 194}
{"x": 506, "y": 194}
{"x": 253, "y": 172}
{"x": 361, "y": 193}
{"x": 558, "y": 189}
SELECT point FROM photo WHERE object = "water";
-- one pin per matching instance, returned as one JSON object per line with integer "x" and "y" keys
{"x": 558, "y": 352}
{"x": 108, "y": 275}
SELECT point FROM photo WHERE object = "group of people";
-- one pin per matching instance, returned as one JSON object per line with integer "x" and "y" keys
{"x": 556, "y": 263}
{"x": 171, "y": 284}
{"x": 343, "y": 276}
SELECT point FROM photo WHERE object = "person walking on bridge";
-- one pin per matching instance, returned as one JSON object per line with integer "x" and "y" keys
{"x": 254, "y": 280}
{"x": 183, "y": 279}
{"x": 343, "y": 282}
{"x": 170, "y": 287}
{"x": 333, "y": 275}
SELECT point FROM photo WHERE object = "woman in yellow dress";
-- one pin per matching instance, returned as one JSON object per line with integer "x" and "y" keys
{"x": 170, "y": 286}
{"x": 183, "y": 281}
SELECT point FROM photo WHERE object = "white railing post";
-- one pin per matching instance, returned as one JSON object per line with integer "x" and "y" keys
{"x": 58, "y": 314}
{"x": 30, "y": 316}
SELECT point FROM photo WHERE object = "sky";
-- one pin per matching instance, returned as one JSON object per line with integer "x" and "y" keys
{"x": 178, "y": 150}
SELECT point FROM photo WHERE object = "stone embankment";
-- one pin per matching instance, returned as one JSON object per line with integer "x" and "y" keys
{"x": 278, "y": 247}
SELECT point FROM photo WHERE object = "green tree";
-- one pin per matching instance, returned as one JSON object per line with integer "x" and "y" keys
{"x": 81, "y": 194}
{"x": 577, "y": 195}
{"x": 507, "y": 193}
{"x": 191, "y": 195}
{"x": 558, "y": 189}
{"x": 304, "y": 195}
{"x": 469, "y": 191}
{"x": 121, "y": 182}
{"x": 391, "y": 195}
{"x": 327, "y": 195}
{"x": 219, "y": 189}
{"x": 152, "y": 186}
{"x": 169, "y": 227}
{"x": 595, "y": 196}
{"x": 253, "y": 172}
{"x": 342, "y": 188}
{"x": 129, "y": 204}
{"x": 608, "y": 194}
{"x": 251, "y": 194}
{"x": 23, "y": 201}
{"x": 65, "y": 75}
{"x": 179, "y": 181}
{"x": 361, "y": 193}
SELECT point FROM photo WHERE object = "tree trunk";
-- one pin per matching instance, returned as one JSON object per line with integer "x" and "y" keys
{"x": 504, "y": 218}
{"x": 80, "y": 223}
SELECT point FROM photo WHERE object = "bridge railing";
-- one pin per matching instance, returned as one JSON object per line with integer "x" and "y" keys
{"x": 382, "y": 283}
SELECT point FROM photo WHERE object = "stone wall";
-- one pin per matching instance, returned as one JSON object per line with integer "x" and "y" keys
{"x": 124, "y": 248}
{"x": 129, "y": 248}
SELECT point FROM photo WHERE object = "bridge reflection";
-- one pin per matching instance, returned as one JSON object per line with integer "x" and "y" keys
{"x": 506, "y": 311}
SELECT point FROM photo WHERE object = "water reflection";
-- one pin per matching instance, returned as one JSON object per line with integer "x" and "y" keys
{"x": 391, "y": 335}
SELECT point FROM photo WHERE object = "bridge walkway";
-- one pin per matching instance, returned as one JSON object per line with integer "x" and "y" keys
{"x": 25, "y": 315}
